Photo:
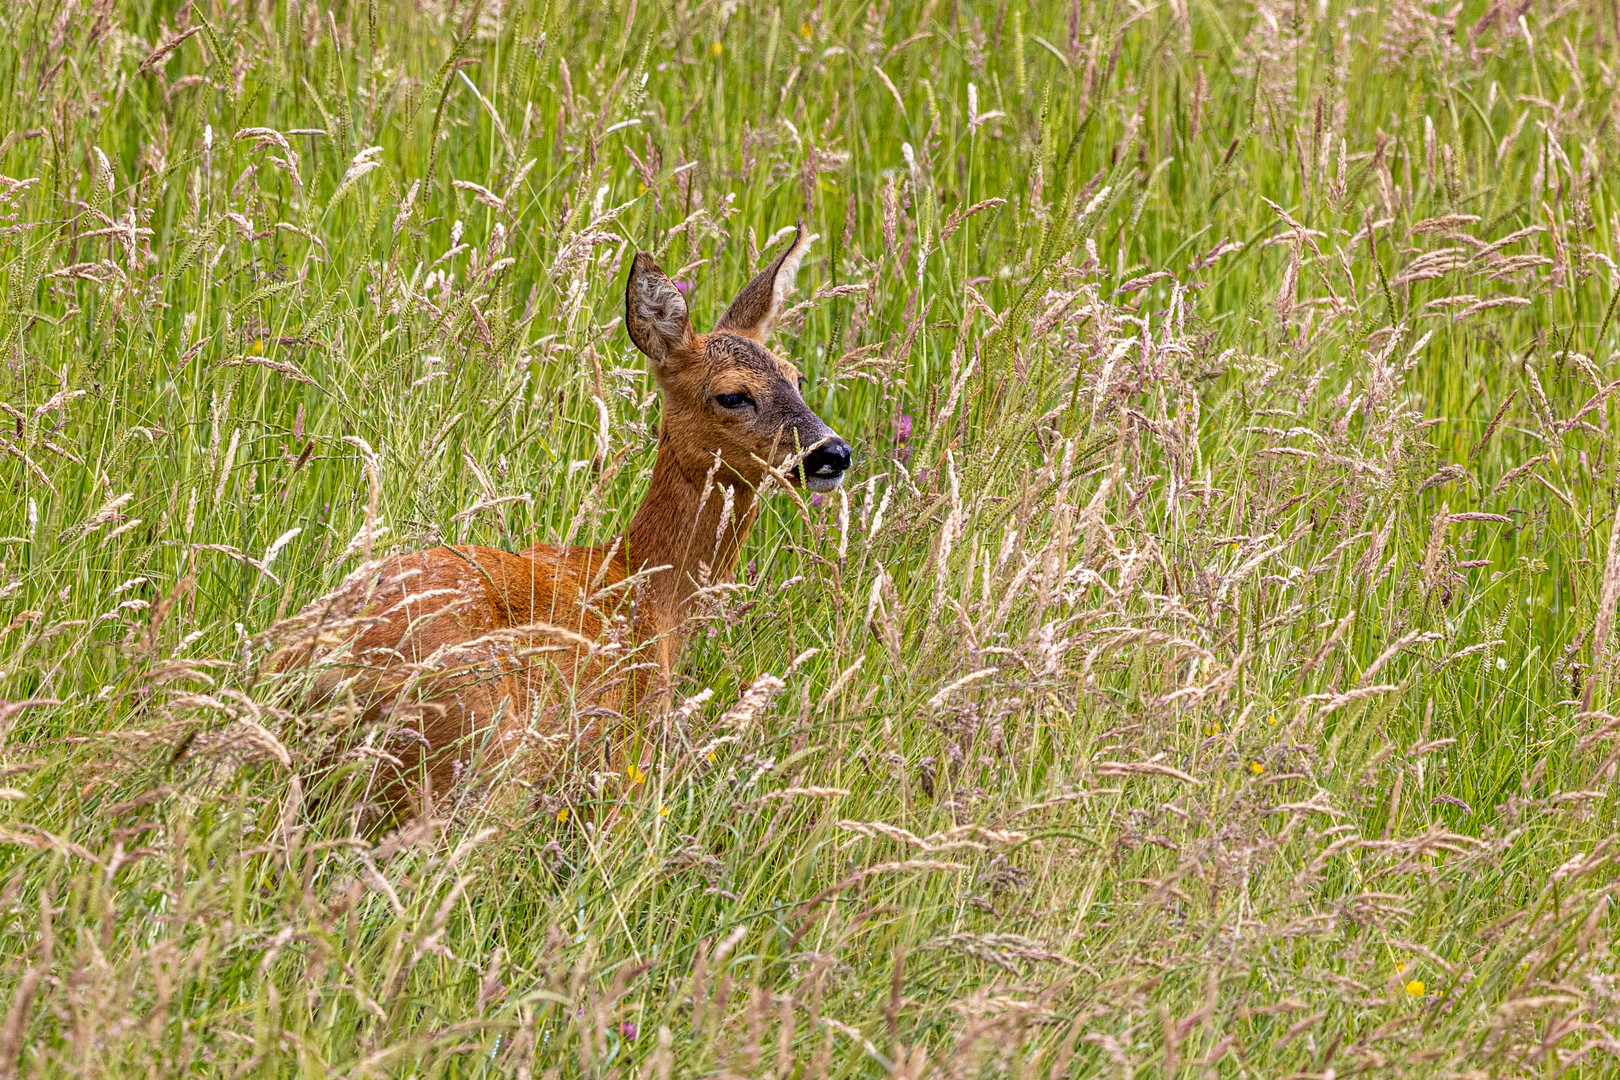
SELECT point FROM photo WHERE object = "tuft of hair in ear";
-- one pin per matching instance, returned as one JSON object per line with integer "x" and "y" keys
{"x": 760, "y": 304}
{"x": 654, "y": 311}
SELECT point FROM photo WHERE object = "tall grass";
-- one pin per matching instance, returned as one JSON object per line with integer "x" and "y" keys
{"x": 1206, "y": 670}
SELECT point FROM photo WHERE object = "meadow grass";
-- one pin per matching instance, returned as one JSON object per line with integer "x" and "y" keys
{"x": 1206, "y": 669}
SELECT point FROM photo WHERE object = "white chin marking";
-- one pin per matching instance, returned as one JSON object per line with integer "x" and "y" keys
{"x": 824, "y": 483}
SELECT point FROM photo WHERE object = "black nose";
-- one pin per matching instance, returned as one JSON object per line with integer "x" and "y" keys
{"x": 828, "y": 459}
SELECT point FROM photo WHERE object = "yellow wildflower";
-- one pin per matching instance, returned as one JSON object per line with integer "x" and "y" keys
{"x": 805, "y": 29}
{"x": 1256, "y": 768}
{"x": 562, "y": 815}
{"x": 635, "y": 774}
{"x": 1414, "y": 988}
{"x": 663, "y": 811}
{"x": 716, "y": 49}
{"x": 1212, "y": 729}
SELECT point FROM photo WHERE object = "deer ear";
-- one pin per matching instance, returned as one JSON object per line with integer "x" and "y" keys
{"x": 654, "y": 311}
{"x": 759, "y": 305}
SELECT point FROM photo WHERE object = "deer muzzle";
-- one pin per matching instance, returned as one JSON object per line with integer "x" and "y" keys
{"x": 824, "y": 467}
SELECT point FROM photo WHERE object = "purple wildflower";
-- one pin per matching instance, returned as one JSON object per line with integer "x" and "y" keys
{"x": 815, "y": 500}
{"x": 628, "y": 1029}
{"x": 684, "y": 287}
{"x": 902, "y": 427}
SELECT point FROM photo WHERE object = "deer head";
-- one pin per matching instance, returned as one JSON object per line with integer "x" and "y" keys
{"x": 726, "y": 392}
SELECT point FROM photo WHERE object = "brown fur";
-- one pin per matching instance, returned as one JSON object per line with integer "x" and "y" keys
{"x": 478, "y": 650}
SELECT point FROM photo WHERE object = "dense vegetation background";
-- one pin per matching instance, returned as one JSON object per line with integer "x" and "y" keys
{"x": 1206, "y": 669}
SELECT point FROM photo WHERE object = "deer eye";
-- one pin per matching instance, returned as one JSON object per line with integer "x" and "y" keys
{"x": 733, "y": 401}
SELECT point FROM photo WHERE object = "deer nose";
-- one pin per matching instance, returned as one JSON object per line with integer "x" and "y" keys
{"x": 829, "y": 460}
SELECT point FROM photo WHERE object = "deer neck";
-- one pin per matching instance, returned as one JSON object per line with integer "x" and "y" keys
{"x": 697, "y": 535}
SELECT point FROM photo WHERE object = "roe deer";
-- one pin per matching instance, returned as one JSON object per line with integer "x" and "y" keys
{"x": 474, "y": 650}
